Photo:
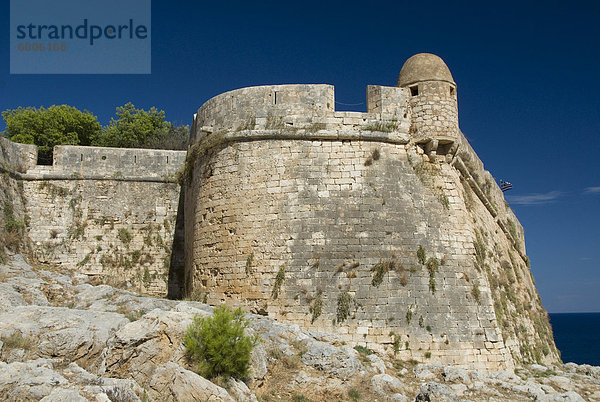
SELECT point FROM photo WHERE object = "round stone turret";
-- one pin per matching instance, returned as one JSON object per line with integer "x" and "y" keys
{"x": 432, "y": 100}
{"x": 424, "y": 67}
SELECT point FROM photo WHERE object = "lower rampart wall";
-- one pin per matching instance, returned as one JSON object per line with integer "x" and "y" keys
{"x": 108, "y": 213}
{"x": 120, "y": 232}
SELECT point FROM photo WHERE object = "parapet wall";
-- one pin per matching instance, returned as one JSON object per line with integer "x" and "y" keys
{"x": 116, "y": 162}
{"x": 265, "y": 106}
{"x": 300, "y": 111}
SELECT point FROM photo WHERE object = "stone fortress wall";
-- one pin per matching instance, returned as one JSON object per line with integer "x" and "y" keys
{"x": 107, "y": 212}
{"x": 382, "y": 227}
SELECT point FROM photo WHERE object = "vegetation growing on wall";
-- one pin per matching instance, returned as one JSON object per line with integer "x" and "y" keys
{"x": 384, "y": 126}
{"x": 375, "y": 155}
{"x": 278, "y": 282}
{"x": 249, "y": 262}
{"x": 316, "y": 308}
{"x": 379, "y": 270}
{"x": 432, "y": 267}
{"x": 343, "y": 306}
{"x": 125, "y": 236}
{"x": 421, "y": 256}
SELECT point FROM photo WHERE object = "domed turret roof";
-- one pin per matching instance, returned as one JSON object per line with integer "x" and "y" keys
{"x": 424, "y": 67}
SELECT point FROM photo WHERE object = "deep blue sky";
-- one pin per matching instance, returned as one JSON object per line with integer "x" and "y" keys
{"x": 528, "y": 89}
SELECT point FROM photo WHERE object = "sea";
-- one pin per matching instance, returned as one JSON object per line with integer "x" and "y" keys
{"x": 577, "y": 336}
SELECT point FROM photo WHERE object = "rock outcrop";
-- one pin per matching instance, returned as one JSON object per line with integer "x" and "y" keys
{"x": 64, "y": 339}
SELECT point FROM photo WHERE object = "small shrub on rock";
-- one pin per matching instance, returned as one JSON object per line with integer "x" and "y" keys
{"x": 218, "y": 344}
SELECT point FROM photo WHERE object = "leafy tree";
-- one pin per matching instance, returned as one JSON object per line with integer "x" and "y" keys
{"x": 56, "y": 125}
{"x": 218, "y": 344}
{"x": 133, "y": 127}
{"x": 175, "y": 138}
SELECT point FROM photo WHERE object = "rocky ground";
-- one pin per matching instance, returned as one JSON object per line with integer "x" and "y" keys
{"x": 64, "y": 339}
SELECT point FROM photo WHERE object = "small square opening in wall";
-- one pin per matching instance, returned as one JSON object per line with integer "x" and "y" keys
{"x": 451, "y": 90}
{"x": 414, "y": 90}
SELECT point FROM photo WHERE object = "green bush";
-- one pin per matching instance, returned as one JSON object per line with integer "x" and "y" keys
{"x": 218, "y": 344}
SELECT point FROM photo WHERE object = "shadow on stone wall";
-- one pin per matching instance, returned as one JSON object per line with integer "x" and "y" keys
{"x": 176, "y": 286}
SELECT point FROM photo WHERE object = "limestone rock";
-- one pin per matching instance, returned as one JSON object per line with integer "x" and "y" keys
{"x": 31, "y": 380}
{"x": 64, "y": 395}
{"x": 171, "y": 382}
{"x": 433, "y": 391}
{"x": 104, "y": 356}
{"x": 561, "y": 382}
{"x": 258, "y": 363}
{"x": 538, "y": 367}
{"x": 240, "y": 391}
{"x": 570, "y": 396}
{"x": 385, "y": 384}
{"x": 138, "y": 347}
{"x": 62, "y": 332}
{"x": 453, "y": 374}
{"x": 427, "y": 371}
{"x": 10, "y": 297}
{"x": 376, "y": 363}
{"x": 338, "y": 362}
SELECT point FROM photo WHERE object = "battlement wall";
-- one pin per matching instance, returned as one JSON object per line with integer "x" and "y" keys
{"x": 115, "y": 161}
{"x": 301, "y": 111}
{"x": 264, "y": 106}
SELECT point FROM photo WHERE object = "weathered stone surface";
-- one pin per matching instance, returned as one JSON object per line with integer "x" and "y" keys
{"x": 433, "y": 391}
{"x": 385, "y": 384}
{"x": 258, "y": 363}
{"x": 453, "y": 374}
{"x": 62, "y": 332}
{"x": 570, "y": 396}
{"x": 376, "y": 363}
{"x": 64, "y": 395}
{"x": 335, "y": 361}
{"x": 428, "y": 371}
{"x": 138, "y": 347}
{"x": 240, "y": 391}
{"x": 171, "y": 382}
{"x": 10, "y": 297}
{"x": 30, "y": 380}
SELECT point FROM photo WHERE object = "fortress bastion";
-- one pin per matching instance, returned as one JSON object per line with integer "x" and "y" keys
{"x": 381, "y": 227}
